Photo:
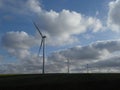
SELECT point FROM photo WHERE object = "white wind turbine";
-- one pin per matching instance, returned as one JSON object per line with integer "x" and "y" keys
{"x": 42, "y": 44}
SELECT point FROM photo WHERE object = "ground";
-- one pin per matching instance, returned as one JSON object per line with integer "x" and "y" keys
{"x": 60, "y": 81}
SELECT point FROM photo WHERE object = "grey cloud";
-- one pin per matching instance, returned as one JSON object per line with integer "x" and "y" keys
{"x": 19, "y": 69}
{"x": 14, "y": 6}
{"x": 1, "y": 57}
{"x": 101, "y": 54}
{"x": 56, "y": 68}
{"x": 20, "y": 7}
{"x": 114, "y": 15}
{"x": 112, "y": 62}
{"x": 1, "y": 3}
{"x": 90, "y": 52}
{"x": 18, "y": 40}
{"x": 18, "y": 45}
{"x": 109, "y": 65}
{"x": 82, "y": 53}
{"x": 110, "y": 45}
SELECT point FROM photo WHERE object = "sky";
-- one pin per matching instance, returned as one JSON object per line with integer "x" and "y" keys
{"x": 85, "y": 32}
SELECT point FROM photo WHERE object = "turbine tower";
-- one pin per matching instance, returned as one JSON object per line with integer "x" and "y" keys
{"x": 42, "y": 44}
{"x": 87, "y": 69}
{"x": 68, "y": 65}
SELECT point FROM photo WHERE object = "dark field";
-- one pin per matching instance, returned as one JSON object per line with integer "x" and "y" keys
{"x": 60, "y": 81}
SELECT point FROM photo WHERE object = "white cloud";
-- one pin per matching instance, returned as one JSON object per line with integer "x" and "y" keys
{"x": 60, "y": 27}
{"x": 20, "y": 7}
{"x": 63, "y": 26}
{"x": 114, "y": 15}
{"x": 18, "y": 45}
{"x": 34, "y": 6}
{"x": 102, "y": 54}
{"x": 19, "y": 40}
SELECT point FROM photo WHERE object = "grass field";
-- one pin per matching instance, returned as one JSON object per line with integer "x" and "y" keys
{"x": 59, "y": 81}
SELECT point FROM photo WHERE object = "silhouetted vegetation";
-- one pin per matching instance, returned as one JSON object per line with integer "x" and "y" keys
{"x": 59, "y": 81}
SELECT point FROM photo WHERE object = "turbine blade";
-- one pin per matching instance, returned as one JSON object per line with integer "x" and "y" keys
{"x": 40, "y": 47}
{"x": 38, "y": 29}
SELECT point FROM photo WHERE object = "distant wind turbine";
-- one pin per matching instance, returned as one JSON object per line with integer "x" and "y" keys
{"x": 87, "y": 69}
{"x": 68, "y": 65}
{"x": 42, "y": 44}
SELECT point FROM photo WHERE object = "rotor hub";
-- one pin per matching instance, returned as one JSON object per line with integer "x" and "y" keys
{"x": 44, "y": 37}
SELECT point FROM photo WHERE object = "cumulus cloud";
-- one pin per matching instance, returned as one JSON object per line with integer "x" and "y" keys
{"x": 18, "y": 45}
{"x": 34, "y": 6}
{"x": 102, "y": 54}
{"x": 110, "y": 64}
{"x": 63, "y": 26}
{"x": 90, "y": 52}
{"x": 20, "y": 7}
{"x": 114, "y": 15}
{"x": 21, "y": 40}
{"x": 12, "y": 6}
{"x": 19, "y": 69}
{"x": 60, "y": 27}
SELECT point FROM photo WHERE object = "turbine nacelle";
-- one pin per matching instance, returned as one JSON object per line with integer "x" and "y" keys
{"x": 43, "y": 36}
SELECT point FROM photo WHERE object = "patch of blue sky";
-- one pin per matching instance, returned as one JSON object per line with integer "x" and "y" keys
{"x": 89, "y": 37}
{"x": 82, "y": 6}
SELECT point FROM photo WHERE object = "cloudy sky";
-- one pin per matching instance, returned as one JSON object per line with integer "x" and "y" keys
{"x": 85, "y": 32}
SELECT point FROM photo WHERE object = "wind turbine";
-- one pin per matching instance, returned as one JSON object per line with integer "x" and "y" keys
{"x": 87, "y": 69}
{"x": 68, "y": 65}
{"x": 42, "y": 44}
